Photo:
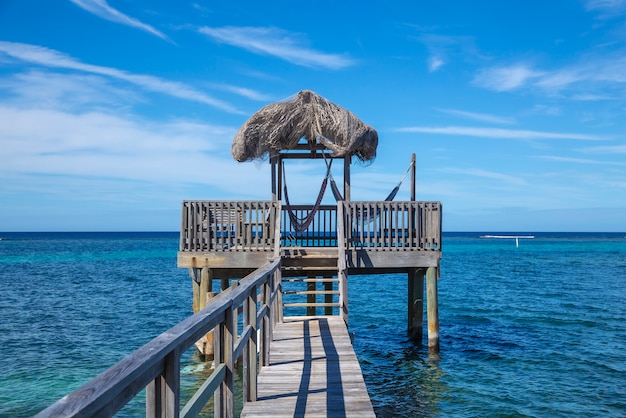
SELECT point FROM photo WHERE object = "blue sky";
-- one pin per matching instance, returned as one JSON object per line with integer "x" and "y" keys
{"x": 114, "y": 111}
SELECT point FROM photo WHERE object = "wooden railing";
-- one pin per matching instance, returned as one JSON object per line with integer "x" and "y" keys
{"x": 209, "y": 225}
{"x": 321, "y": 232}
{"x": 392, "y": 226}
{"x": 156, "y": 365}
{"x": 255, "y": 226}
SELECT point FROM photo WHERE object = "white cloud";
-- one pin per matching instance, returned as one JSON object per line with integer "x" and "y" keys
{"x": 278, "y": 43}
{"x": 546, "y": 110}
{"x": 499, "y": 133}
{"x": 443, "y": 49}
{"x": 94, "y": 146}
{"x": 475, "y": 172}
{"x": 47, "y": 89}
{"x": 606, "y": 7}
{"x": 617, "y": 149}
{"x": 54, "y": 59}
{"x": 244, "y": 92}
{"x": 594, "y": 77}
{"x": 482, "y": 117}
{"x": 434, "y": 63}
{"x": 581, "y": 160}
{"x": 506, "y": 78}
{"x": 101, "y": 9}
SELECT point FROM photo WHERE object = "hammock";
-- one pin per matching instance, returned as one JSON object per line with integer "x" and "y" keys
{"x": 389, "y": 197}
{"x": 298, "y": 224}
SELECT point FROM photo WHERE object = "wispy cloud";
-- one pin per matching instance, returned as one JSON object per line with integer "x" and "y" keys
{"x": 279, "y": 43}
{"x": 45, "y": 57}
{"x": 475, "y": 172}
{"x": 443, "y": 48}
{"x": 616, "y": 149}
{"x": 99, "y": 145}
{"x": 482, "y": 117}
{"x": 590, "y": 78}
{"x": 244, "y": 92}
{"x": 434, "y": 63}
{"x": 606, "y": 7}
{"x": 102, "y": 9}
{"x": 48, "y": 89}
{"x": 499, "y": 133}
{"x": 506, "y": 78}
{"x": 581, "y": 160}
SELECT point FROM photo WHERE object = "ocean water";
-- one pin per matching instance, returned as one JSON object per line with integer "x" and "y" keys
{"x": 537, "y": 330}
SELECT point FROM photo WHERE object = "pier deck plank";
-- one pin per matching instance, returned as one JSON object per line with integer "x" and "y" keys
{"x": 313, "y": 372}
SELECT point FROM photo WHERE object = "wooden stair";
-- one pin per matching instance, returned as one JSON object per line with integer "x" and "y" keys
{"x": 315, "y": 269}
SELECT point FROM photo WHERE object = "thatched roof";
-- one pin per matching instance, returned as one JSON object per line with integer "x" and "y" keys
{"x": 281, "y": 125}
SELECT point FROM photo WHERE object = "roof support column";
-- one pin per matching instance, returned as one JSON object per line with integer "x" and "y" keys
{"x": 346, "y": 177}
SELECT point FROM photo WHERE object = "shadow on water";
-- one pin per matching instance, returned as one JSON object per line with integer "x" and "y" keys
{"x": 410, "y": 383}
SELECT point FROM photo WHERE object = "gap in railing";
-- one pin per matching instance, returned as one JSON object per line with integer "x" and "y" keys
{"x": 289, "y": 286}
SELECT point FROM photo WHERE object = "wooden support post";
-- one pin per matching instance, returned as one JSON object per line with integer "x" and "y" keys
{"x": 206, "y": 286}
{"x": 328, "y": 297}
{"x": 310, "y": 297}
{"x": 155, "y": 398}
{"x": 224, "y": 344}
{"x": 163, "y": 393}
{"x": 171, "y": 377}
{"x": 195, "y": 288}
{"x": 433, "y": 309}
{"x": 264, "y": 344}
{"x": 416, "y": 304}
{"x": 250, "y": 354}
{"x": 274, "y": 185}
{"x": 225, "y": 283}
{"x": 413, "y": 177}
{"x": 202, "y": 292}
{"x": 342, "y": 270}
{"x": 346, "y": 178}
{"x": 278, "y": 288}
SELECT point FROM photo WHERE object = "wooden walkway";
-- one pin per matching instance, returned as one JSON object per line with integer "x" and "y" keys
{"x": 313, "y": 372}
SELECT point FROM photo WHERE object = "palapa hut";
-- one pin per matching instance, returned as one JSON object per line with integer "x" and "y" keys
{"x": 306, "y": 121}
{"x": 319, "y": 245}
{"x": 281, "y": 126}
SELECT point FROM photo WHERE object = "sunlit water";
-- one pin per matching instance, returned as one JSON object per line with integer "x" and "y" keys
{"x": 537, "y": 330}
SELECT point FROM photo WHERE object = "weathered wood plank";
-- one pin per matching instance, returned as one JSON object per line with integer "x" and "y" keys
{"x": 313, "y": 372}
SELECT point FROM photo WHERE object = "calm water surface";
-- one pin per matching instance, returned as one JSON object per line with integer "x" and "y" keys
{"x": 537, "y": 331}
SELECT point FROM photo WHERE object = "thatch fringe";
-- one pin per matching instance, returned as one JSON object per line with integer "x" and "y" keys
{"x": 280, "y": 126}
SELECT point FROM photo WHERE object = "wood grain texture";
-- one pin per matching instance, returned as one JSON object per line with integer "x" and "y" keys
{"x": 313, "y": 372}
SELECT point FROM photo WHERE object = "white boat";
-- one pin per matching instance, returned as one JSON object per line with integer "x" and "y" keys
{"x": 516, "y": 237}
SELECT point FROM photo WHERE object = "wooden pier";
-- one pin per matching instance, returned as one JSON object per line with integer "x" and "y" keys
{"x": 313, "y": 372}
{"x": 254, "y": 264}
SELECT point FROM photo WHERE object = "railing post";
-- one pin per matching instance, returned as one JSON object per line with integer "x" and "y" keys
{"x": 341, "y": 263}
{"x": 224, "y": 340}
{"x": 163, "y": 393}
{"x": 249, "y": 354}
{"x": 266, "y": 296}
{"x": 155, "y": 398}
{"x": 278, "y": 303}
{"x": 172, "y": 384}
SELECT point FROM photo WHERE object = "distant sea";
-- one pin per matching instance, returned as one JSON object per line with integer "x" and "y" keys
{"x": 537, "y": 330}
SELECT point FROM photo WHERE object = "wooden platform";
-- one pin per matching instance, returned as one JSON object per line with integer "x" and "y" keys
{"x": 313, "y": 372}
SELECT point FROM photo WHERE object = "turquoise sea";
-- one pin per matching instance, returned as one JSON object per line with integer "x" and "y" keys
{"x": 537, "y": 330}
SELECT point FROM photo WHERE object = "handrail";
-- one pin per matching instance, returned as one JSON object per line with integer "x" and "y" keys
{"x": 321, "y": 232}
{"x": 240, "y": 225}
{"x": 156, "y": 365}
{"x": 264, "y": 226}
{"x": 392, "y": 226}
